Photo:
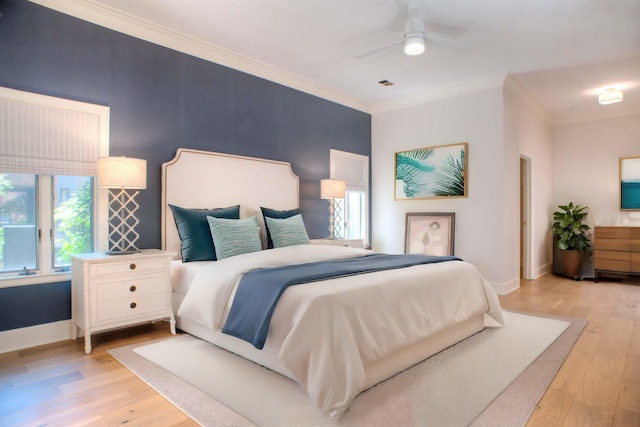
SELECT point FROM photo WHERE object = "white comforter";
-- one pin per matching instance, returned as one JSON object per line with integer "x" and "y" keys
{"x": 326, "y": 332}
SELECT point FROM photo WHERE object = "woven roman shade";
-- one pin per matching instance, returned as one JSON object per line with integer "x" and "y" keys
{"x": 50, "y": 136}
{"x": 351, "y": 168}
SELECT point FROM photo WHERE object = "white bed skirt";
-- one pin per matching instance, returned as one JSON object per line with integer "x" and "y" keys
{"x": 375, "y": 372}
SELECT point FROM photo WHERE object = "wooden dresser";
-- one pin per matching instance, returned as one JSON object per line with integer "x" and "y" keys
{"x": 616, "y": 250}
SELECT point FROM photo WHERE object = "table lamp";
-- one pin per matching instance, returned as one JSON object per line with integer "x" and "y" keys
{"x": 120, "y": 174}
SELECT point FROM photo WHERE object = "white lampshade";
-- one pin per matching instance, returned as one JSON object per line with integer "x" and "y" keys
{"x": 414, "y": 44}
{"x": 610, "y": 96}
{"x": 122, "y": 172}
{"x": 332, "y": 189}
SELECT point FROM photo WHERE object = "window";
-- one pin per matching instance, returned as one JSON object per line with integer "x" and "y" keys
{"x": 355, "y": 215}
{"x": 353, "y": 211}
{"x": 18, "y": 235}
{"x": 26, "y": 221}
{"x": 49, "y": 206}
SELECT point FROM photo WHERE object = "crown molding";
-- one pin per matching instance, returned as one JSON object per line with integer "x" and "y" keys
{"x": 513, "y": 86}
{"x": 594, "y": 117}
{"x": 478, "y": 85}
{"x": 113, "y": 19}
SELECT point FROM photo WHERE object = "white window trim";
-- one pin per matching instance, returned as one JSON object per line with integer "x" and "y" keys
{"x": 101, "y": 207}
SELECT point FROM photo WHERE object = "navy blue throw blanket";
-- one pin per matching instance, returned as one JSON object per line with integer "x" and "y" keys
{"x": 259, "y": 290}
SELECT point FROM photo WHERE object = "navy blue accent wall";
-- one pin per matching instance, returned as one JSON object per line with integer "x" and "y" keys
{"x": 161, "y": 99}
{"x": 34, "y": 305}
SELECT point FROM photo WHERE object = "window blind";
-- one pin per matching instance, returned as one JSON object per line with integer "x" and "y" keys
{"x": 350, "y": 167}
{"x": 50, "y": 136}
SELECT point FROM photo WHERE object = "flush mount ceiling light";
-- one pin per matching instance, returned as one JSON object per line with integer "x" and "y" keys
{"x": 414, "y": 43}
{"x": 610, "y": 96}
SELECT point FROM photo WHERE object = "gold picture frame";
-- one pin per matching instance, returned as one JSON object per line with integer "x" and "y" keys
{"x": 431, "y": 172}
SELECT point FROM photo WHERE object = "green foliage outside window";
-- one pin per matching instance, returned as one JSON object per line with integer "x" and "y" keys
{"x": 73, "y": 221}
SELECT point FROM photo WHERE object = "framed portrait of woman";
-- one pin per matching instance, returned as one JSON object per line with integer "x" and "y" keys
{"x": 430, "y": 233}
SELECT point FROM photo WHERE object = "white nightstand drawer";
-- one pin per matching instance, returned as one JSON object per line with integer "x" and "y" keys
{"x": 127, "y": 266}
{"x": 130, "y": 288}
{"x": 128, "y": 307}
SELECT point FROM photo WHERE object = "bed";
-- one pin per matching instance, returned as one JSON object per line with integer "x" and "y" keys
{"x": 337, "y": 337}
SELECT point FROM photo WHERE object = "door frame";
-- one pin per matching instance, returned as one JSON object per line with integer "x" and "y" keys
{"x": 526, "y": 204}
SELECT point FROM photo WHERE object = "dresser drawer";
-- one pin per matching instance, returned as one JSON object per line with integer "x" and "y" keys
{"x": 622, "y": 245}
{"x": 612, "y": 232}
{"x": 635, "y": 245}
{"x": 126, "y": 267}
{"x": 612, "y": 255}
{"x": 611, "y": 265}
{"x": 130, "y": 287}
{"x": 130, "y": 307}
{"x": 635, "y": 263}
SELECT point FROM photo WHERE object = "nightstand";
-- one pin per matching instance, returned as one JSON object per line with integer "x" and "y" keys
{"x": 350, "y": 243}
{"x": 113, "y": 291}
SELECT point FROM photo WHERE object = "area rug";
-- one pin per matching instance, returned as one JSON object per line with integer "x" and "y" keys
{"x": 493, "y": 378}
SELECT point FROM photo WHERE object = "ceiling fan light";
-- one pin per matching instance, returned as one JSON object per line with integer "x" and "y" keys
{"x": 414, "y": 45}
{"x": 610, "y": 96}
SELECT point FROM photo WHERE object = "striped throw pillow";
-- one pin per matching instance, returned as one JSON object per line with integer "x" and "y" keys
{"x": 287, "y": 231}
{"x": 234, "y": 236}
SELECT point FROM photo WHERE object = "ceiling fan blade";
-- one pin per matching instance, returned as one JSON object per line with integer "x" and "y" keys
{"x": 447, "y": 43}
{"x": 378, "y": 50}
{"x": 445, "y": 30}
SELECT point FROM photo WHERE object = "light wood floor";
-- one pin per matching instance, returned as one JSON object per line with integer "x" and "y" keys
{"x": 598, "y": 385}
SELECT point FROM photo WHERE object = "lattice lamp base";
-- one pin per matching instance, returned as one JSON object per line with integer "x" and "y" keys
{"x": 338, "y": 220}
{"x": 122, "y": 222}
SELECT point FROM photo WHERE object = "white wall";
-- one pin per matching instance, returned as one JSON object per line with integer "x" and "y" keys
{"x": 572, "y": 162}
{"x": 585, "y": 165}
{"x": 477, "y": 119}
{"x": 528, "y": 131}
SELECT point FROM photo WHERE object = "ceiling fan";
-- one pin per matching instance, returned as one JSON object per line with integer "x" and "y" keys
{"x": 417, "y": 30}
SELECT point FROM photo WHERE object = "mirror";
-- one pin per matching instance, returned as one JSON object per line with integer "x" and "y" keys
{"x": 630, "y": 183}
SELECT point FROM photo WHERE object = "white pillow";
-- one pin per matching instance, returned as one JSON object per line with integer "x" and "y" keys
{"x": 257, "y": 212}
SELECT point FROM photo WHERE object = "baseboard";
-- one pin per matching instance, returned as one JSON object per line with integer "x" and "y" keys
{"x": 506, "y": 287}
{"x": 542, "y": 270}
{"x": 18, "y": 339}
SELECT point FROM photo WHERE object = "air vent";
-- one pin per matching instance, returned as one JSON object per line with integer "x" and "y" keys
{"x": 386, "y": 83}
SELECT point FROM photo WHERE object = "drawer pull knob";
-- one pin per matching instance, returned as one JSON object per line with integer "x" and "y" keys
{"x": 132, "y": 266}
{"x": 132, "y": 288}
{"x": 133, "y": 305}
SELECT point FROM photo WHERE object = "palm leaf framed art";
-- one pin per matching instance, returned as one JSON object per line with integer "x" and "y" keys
{"x": 431, "y": 172}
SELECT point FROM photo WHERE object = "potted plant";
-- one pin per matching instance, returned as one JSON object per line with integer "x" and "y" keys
{"x": 571, "y": 237}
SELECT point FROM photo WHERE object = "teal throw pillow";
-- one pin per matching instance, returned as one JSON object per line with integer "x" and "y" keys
{"x": 234, "y": 236}
{"x": 273, "y": 213}
{"x": 288, "y": 231}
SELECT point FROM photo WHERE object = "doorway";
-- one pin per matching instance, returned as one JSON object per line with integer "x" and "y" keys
{"x": 525, "y": 218}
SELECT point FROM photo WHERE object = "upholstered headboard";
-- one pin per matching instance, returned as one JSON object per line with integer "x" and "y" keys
{"x": 204, "y": 179}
